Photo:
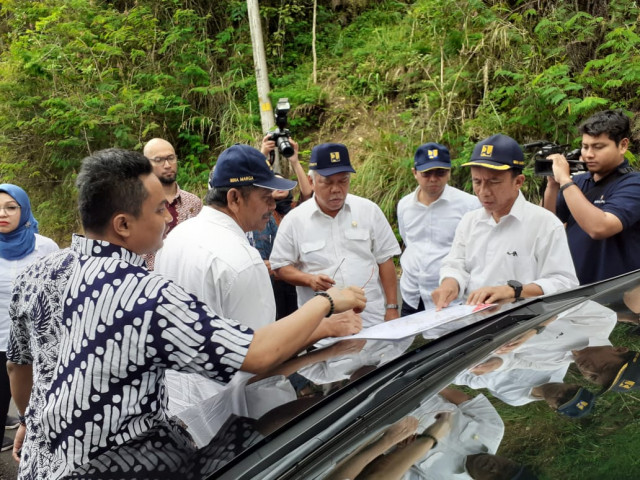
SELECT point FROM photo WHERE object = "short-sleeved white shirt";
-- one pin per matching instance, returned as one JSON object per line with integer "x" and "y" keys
{"x": 528, "y": 245}
{"x": 427, "y": 232}
{"x": 348, "y": 248}
{"x": 210, "y": 257}
{"x": 9, "y": 270}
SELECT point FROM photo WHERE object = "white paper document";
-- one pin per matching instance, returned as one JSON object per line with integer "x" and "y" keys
{"x": 413, "y": 324}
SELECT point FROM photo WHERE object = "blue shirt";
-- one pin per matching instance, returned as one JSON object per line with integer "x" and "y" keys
{"x": 597, "y": 260}
{"x": 100, "y": 331}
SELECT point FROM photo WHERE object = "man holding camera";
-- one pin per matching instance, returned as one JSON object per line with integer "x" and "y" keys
{"x": 601, "y": 208}
{"x": 336, "y": 237}
{"x": 511, "y": 248}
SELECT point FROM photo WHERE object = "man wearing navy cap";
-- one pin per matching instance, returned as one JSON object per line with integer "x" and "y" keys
{"x": 210, "y": 256}
{"x": 338, "y": 238}
{"x": 509, "y": 249}
{"x": 427, "y": 220}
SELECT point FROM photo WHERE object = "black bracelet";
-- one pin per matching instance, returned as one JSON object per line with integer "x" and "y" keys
{"x": 428, "y": 435}
{"x": 328, "y": 297}
{"x": 567, "y": 185}
{"x": 22, "y": 420}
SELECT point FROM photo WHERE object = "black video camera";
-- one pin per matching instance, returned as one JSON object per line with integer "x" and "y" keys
{"x": 281, "y": 135}
{"x": 543, "y": 167}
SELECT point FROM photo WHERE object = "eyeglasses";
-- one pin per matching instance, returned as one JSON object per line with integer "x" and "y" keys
{"x": 438, "y": 172}
{"x": 160, "y": 160}
{"x": 10, "y": 210}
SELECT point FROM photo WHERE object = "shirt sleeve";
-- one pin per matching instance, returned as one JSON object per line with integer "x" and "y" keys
{"x": 285, "y": 247}
{"x": 19, "y": 348}
{"x": 454, "y": 264}
{"x": 556, "y": 271}
{"x": 187, "y": 336}
{"x": 385, "y": 244}
{"x": 624, "y": 201}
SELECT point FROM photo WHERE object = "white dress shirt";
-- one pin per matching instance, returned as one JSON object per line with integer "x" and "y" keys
{"x": 209, "y": 256}
{"x": 427, "y": 232}
{"x": 347, "y": 248}
{"x": 545, "y": 358}
{"x": 529, "y": 245}
{"x": 9, "y": 270}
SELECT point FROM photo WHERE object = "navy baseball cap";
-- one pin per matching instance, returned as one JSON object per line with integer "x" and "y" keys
{"x": 498, "y": 152}
{"x": 330, "y": 158}
{"x": 628, "y": 377}
{"x": 241, "y": 165}
{"x": 580, "y": 405}
{"x": 430, "y": 156}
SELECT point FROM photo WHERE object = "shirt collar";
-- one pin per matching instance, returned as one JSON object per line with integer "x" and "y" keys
{"x": 517, "y": 210}
{"x": 178, "y": 197}
{"x": 345, "y": 207}
{"x": 102, "y": 248}
{"x": 222, "y": 219}
{"x": 444, "y": 196}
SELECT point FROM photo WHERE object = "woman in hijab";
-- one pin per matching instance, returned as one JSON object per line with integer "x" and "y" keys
{"x": 20, "y": 245}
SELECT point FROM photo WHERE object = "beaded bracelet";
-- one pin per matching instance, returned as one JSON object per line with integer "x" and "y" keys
{"x": 328, "y": 297}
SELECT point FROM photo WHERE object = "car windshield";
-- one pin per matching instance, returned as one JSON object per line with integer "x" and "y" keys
{"x": 537, "y": 388}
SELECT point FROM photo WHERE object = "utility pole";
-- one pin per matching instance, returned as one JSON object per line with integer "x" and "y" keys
{"x": 262, "y": 77}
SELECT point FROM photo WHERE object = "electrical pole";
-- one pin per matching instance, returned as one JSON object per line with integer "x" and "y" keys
{"x": 262, "y": 76}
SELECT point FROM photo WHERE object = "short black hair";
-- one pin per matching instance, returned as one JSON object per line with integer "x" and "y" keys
{"x": 612, "y": 122}
{"x": 109, "y": 183}
{"x": 217, "y": 196}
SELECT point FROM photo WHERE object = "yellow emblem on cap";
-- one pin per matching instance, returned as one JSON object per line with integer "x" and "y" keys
{"x": 582, "y": 405}
{"x": 432, "y": 154}
{"x": 335, "y": 157}
{"x": 487, "y": 151}
{"x": 627, "y": 384}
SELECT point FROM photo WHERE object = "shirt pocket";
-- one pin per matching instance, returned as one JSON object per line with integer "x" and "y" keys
{"x": 358, "y": 242}
{"x": 357, "y": 234}
{"x": 312, "y": 253}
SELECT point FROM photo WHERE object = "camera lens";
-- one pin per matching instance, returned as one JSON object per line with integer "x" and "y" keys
{"x": 284, "y": 146}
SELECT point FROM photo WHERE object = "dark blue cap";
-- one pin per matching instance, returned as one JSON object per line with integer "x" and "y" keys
{"x": 330, "y": 158}
{"x": 241, "y": 165}
{"x": 430, "y": 156}
{"x": 628, "y": 377}
{"x": 579, "y": 405}
{"x": 498, "y": 152}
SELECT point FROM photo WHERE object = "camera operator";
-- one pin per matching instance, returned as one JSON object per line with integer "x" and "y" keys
{"x": 601, "y": 208}
{"x": 284, "y": 293}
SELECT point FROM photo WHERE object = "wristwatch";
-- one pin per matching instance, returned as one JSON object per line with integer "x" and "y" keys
{"x": 517, "y": 288}
{"x": 391, "y": 306}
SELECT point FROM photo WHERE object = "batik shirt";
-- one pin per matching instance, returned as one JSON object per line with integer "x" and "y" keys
{"x": 100, "y": 331}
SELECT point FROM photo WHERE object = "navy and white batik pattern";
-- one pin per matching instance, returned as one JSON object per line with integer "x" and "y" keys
{"x": 100, "y": 330}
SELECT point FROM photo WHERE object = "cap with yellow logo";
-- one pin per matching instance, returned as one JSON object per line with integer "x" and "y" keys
{"x": 498, "y": 152}
{"x": 430, "y": 156}
{"x": 330, "y": 158}
{"x": 628, "y": 377}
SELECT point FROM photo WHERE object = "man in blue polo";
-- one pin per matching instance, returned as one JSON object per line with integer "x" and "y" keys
{"x": 427, "y": 221}
{"x": 511, "y": 248}
{"x": 601, "y": 208}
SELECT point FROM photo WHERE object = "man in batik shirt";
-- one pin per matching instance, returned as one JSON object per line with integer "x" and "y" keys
{"x": 93, "y": 332}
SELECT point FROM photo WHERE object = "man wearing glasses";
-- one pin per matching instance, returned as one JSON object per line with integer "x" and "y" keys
{"x": 427, "y": 221}
{"x": 180, "y": 203}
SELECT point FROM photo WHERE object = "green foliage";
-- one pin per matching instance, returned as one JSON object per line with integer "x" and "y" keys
{"x": 77, "y": 76}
